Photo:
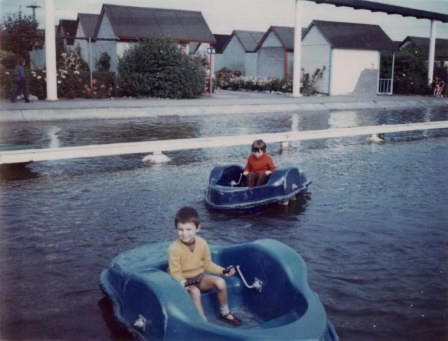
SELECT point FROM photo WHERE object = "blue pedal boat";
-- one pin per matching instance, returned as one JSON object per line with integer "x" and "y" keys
{"x": 227, "y": 190}
{"x": 278, "y": 304}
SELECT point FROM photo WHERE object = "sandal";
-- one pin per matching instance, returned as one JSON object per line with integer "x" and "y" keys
{"x": 235, "y": 321}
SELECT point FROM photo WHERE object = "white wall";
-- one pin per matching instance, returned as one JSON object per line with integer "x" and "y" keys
{"x": 354, "y": 69}
{"x": 233, "y": 56}
{"x": 37, "y": 59}
{"x": 316, "y": 53}
{"x": 110, "y": 47}
{"x": 219, "y": 62}
{"x": 271, "y": 58}
{"x": 271, "y": 62}
{"x": 81, "y": 44}
{"x": 250, "y": 64}
{"x": 202, "y": 50}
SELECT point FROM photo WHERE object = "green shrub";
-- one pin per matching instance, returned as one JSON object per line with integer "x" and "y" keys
{"x": 7, "y": 82}
{"x": 232, "y": 80}
{"x": 411, "y": 72}
{"x": 103, "y": 62}
{"x": 8, "y": 60}
{"x": 37, "y": 84}
{"x": 309, "y": 81}
{"x": 224, "y": 76}
{"x": 156, "y": 68}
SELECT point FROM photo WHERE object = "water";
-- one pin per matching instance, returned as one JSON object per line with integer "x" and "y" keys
{"x": 374, "y": 233}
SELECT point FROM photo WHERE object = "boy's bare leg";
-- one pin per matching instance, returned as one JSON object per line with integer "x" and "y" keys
{"x": 214, "y": 282}
{"x": 195, "y": 295}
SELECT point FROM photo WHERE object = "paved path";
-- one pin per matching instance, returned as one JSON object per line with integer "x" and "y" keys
{"x": 222, "y": 102}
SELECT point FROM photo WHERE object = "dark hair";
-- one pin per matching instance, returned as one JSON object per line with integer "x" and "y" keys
{"x": 187, "y": 215}
{"x": 259, "y": 145}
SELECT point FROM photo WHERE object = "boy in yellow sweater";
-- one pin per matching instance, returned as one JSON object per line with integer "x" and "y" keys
{"x": 188, "y": 260}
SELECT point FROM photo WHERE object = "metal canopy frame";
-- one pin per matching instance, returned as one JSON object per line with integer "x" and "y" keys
{"x": 385, "y": 8}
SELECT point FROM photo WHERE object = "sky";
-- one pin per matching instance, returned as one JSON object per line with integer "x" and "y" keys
{"x": 223, "y": 16}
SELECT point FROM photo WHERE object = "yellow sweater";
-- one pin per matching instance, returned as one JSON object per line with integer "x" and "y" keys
{"x": 183, "y": 264}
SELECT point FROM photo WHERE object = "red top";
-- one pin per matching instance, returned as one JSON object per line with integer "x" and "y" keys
{"x": 262, "y": 164}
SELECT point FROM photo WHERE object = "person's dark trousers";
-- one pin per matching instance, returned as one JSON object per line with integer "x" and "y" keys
{"x": 256, "y": 179}
{"x": 21, "y": 87}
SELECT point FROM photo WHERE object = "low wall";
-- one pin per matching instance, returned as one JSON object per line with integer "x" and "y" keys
{"x": 132, "y": 109}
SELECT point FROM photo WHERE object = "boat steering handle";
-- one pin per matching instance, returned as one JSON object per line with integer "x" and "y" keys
{"x": 257, "y": 284}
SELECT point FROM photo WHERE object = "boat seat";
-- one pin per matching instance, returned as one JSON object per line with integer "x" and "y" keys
{"x": 228, "y": 175}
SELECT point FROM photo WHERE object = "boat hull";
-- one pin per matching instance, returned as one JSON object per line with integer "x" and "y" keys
{"x": 227, "y": 190}
{"x": 153, "y": 306}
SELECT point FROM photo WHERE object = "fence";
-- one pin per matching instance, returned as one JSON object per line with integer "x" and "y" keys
{"x": 385, "y": 86}
{"x": 157, "y": 147}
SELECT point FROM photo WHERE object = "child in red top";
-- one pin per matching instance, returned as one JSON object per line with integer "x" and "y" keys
{"x": 259, "y": 165}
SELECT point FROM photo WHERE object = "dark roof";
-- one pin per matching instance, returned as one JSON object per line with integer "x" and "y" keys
{"x": 135, "y": 23}
{"x": 67, "y": 28}
{"x": 88, "y": 23}
{"x": 354, "y": 36}
{"x": 248, "y": 39}
{"x": 284, "y": 34}
{"x": 441, "y": 47}
{"x": 221, "y": 41}
{"x": 389, "y": 9}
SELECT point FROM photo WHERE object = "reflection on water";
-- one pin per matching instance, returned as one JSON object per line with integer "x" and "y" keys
{"x": 54, "y": 138}
{"x": 373, "y": 233}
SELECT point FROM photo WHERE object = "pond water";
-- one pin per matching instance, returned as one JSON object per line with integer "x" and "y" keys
{"x": 373, "y": 234}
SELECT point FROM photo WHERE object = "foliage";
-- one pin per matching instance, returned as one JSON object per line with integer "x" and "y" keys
{"x": 232, "y": 80}
{"x": 411, "y": 72}
{"x": 73, "y": 80}
{"x": 309, "y": 82}
{"x": 224, "y": 77}
{"x": 20, "y": 34}
{"x": 103, "y": 62}
{"x": 8, "y": 59}
{"x": 156, "y": 68}
{"x": 386, "y": 65}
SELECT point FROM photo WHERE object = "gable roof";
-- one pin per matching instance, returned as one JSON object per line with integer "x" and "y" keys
{"x": 285, "y": 35}
{"x": 88, "y": 23}
{"x": 67, "y": 28}
{"x": 353, "y": 36}
{"x": 221, "y": 41}
{"x": 248, "y": 39}
{"x": 441, "y": 48}
{"x": 136, "y": 23}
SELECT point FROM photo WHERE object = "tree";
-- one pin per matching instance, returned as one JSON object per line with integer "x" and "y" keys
{"x": 19, "y": 34}
{"x": 156, "y": 67}
{"x": 411, "y": 72}
{"x": 103, "y": 62}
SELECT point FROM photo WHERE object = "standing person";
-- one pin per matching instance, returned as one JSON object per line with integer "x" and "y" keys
{"x": 188, "y": 260}
{"x": 259, "y": 165}
{"x": 21, "y": 81}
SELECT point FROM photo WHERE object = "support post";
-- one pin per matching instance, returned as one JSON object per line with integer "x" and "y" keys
{"x": 50, "y": 51}
{"x": 297, "y": 50}
{"x": 90, "y": 62}
{"x": 392, "y": 76}
{"x": 211, "y": 51}
{"x": 431, "y": 54}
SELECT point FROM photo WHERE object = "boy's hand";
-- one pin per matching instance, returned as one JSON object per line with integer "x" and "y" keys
{"x": 268, "y": 172}
{"x": 229, "y": 271}
{"x": 245, "y": 173}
